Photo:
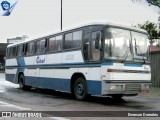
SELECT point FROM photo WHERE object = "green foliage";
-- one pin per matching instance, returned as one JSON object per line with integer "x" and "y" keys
{"x": 154, "y": 2}
{"x": 151, "y": 29}
{"x": 151, "y": 2}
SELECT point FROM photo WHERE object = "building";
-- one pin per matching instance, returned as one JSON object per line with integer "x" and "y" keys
{"x": 14, "y": 40}
{"x": 17, "y": 39}
{"x": 155, "y": 63}
{"x": 3, "y": 47}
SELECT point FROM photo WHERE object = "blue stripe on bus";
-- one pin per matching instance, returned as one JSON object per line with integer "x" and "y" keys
{"x": 133, "y": 65}
{"x": 64, "y": 65}
{"x": 68, "y": 65}
{"x": 20, "y": 61}
{"x": 94, "y": 87}
{"x": 50, "y": 83}
{"x": 107, "y": 63}
{"x": 60, "y": 65}
{"x": 10, "y": 77}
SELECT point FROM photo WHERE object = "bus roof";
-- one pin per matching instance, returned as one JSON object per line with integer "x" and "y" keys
{"x": 84, "y": 25}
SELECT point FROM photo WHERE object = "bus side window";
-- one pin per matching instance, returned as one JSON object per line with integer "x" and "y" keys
{"x": 16, "y": 53}
{"x": 30, "y": 48}
{"x": 7, "y": 53}
{"x": 77, "y": 39}
{"x": 95, "y": 46}
{"x": 86, "y": 46}
{"x": 10, "y": 52}
{"x": 13, "y": 52}
{"x": 73, "y": 40}
{"x": 55, "y": 43}
{"x": 41, "y": 46}
{"x": 21, "y": 50}
{"x": 58, "y": 43}
{"x": 68, "y": 41}
{"x": 51, "y": 44}
{"x": 24, "y": 49}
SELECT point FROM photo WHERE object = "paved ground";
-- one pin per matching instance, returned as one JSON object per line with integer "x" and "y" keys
{"x": 14, "y": 99}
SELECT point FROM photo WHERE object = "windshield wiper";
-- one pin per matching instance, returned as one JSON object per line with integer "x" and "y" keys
{"x": 129, "y": 49}
{"x": 127, "y": 53}
{"x": 125, "y": 56}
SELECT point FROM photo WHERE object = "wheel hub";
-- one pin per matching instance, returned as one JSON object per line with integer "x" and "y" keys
{"x": 80, "y": 89}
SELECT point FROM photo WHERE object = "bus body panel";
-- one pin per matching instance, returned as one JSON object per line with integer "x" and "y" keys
{"x": 54, "y": 58}
{"x": 54, "y": 70}
{"x": 11, "y": 74}
{"x": 72, "y": 57}
{"x": 26, "y": 61}
{"x": 11, "y": 62}
{"x": 129, "y": 78}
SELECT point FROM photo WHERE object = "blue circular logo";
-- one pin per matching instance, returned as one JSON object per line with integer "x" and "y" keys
{"x": 5, "y": 5}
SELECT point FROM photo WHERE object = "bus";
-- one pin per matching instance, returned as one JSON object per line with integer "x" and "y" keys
{"x": 101, "y": 59}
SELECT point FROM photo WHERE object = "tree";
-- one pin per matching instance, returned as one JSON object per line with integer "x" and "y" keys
{"x": 151, "y": 29}
{"x": 151, "y": 2}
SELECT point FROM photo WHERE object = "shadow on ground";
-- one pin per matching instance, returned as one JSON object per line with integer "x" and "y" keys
{"x": 130, "y": 103}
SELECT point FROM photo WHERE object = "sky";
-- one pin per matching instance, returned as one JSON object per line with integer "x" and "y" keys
{"x": 41, "y": 17}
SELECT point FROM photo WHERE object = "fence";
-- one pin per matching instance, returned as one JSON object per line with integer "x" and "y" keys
{"x": 155, "y": 69}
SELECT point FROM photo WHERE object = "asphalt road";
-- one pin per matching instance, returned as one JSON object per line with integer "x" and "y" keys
{"x": 14, "y": 99}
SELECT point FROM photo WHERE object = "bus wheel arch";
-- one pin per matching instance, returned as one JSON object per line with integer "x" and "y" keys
{"x": 78, "y": 80}
{"x": 21, "y": 81}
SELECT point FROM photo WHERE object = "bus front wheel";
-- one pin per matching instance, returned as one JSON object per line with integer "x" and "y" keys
{"x": 80, "y": 89}
{"x": 22, "y": 83}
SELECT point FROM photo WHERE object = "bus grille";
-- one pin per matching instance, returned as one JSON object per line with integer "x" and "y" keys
{"x": 132, "y": 88}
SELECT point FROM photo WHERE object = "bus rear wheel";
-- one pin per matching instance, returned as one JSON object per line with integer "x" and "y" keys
{"x": 22, "y": 83}
{"x": 80, "y": 89}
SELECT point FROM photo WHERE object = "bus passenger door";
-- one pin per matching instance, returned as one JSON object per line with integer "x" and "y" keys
{"x": 95, "y": 54}
{"x": 86, "y": 48}
{"x": 92, "y": 46}
{"x": 92, "y": 55}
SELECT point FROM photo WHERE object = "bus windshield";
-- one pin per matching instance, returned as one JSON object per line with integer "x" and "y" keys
{"x": 119, "y": 45}
{"x": 140, "y": 45}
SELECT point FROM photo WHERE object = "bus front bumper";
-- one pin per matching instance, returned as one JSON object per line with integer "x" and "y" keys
{"x": 125, "y": 88}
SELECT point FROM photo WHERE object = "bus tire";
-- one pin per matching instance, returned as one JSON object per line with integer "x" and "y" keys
{"x": 80, "y": 89}
{"x": 22, "y": 83}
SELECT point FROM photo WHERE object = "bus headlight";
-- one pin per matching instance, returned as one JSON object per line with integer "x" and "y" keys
{"x": 117, "y": 87}
{"x": 145, "y": 86}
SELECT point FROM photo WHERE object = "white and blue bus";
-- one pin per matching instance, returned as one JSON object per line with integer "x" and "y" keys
{"x": 96, "y": 59}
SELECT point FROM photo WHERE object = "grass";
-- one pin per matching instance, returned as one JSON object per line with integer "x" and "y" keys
{"x": 153, "y": 93}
